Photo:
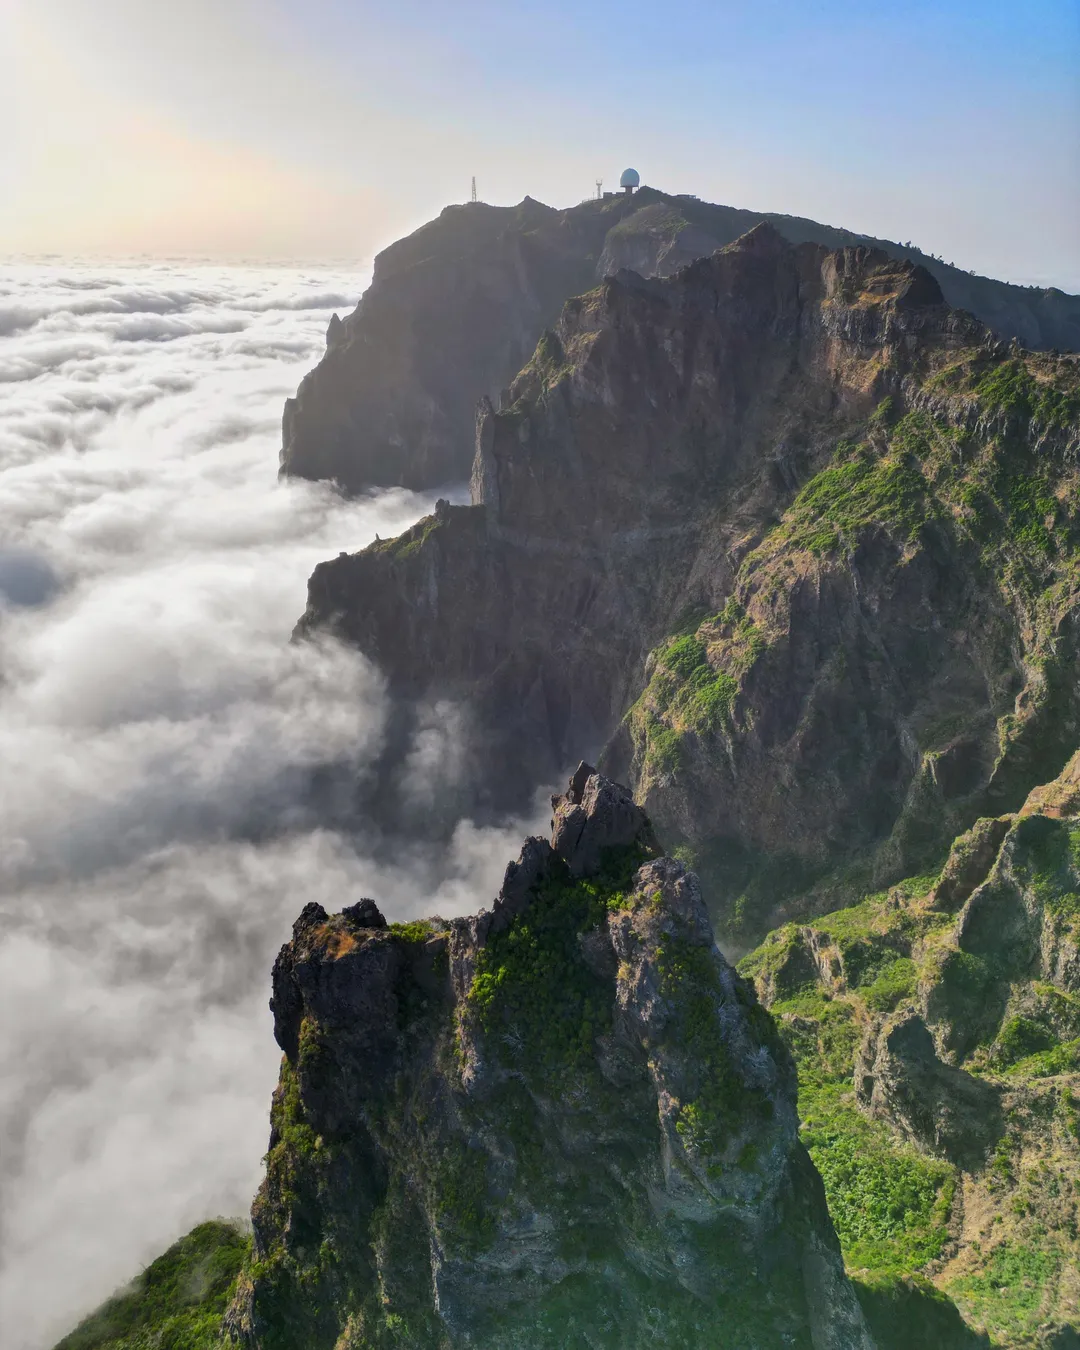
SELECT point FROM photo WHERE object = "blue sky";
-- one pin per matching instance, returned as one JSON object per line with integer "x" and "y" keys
{"x": 331, "y": 127}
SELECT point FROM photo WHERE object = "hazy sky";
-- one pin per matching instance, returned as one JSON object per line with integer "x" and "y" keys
{"x": 325, "y": 128}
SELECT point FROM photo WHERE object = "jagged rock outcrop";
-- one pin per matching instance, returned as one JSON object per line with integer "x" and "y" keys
{"x": 899, "y": 1077}
{"x": 757, "y": 527}
{"x": 936, "y": 1027}
{"x": 1017, "y": 925}
{"x": 1059, "y": 798}
{"x": 970, "y": 859}
{"x": 564, "y": 1122}
{"x": 455, "y": 309}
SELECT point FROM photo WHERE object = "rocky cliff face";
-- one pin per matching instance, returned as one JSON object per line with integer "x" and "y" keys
{"x": 564, "y": 1122}
{"x": 792, "y": 538}
{"x": 453, "y": 312}
{"x": 455, "y": 309}
{"x": 937, "y": 1031}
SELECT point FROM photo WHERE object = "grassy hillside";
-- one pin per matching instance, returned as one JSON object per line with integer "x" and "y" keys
{"x": 936, "y": 1028}
{"x": 176, "y": 1303}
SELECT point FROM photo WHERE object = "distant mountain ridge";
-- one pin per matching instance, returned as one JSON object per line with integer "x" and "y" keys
{"x": 455, "y": 309}
{"x": 792, "y": 538}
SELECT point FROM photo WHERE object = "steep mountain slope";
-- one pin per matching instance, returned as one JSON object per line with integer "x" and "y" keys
{"x": 937, "y": 1031}
{"x": 454, "y": 310}
{"x": 793, "y": 538}
{"x": 177, "y": 1302}
{"x": 799, "y": 546}
{"x": 564, "y": 1122}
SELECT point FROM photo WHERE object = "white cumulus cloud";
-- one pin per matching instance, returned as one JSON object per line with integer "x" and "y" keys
{"x": 177, "y": 775}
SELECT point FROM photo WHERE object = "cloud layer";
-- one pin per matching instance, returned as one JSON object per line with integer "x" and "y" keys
{"x": 162, "y": 741}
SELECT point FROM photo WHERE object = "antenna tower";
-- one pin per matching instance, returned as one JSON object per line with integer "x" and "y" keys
{"x": 599, "y": 188}
{"x": 474, "y": 188}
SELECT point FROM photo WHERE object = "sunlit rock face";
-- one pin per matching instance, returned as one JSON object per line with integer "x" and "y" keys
{"x": 565, "y": 1121}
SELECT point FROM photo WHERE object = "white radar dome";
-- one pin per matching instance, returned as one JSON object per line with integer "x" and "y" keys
{"x": 630, "y": 178}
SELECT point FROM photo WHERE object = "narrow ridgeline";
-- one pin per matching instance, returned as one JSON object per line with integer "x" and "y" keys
{"x": 565, "y": 1122}
{"x": 784, "y": 542}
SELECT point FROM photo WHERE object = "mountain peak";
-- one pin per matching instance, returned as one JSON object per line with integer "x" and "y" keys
{"x": 563, "y": 1118}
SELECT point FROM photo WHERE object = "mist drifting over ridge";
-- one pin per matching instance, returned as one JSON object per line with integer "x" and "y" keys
{"x": 158, "y": 733}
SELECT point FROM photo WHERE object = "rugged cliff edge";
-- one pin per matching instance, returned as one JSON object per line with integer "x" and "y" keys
{"x": 799, "y": 545}
{"x": 795, "y": 540}
{"x": 454, "y": 310}
{"x": 564, "y": 1122}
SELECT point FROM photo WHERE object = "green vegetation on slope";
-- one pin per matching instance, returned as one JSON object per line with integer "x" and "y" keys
{"x": 1053, "y": 868}
{"x": 1007, "y": 1256}
{"x": 1012, "y": 388}
{"x": 975, "y": 477}
{"x": 860, "y": 489}
{"x": 533, "y": 979}
{"x": 1008, "y": 1294}
{"x": 889, "y": 1203}
{"x": 176, "y": 1303}
{"x": 1017, "y": 505}
{"x": 692, "y": 688}
{"x": 690, "y": 982}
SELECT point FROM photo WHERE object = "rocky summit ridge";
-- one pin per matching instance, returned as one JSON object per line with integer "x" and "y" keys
{"x": 563, "y": 1122}
{"x": 455, "y": 309}
{"x": 787, "y": 540}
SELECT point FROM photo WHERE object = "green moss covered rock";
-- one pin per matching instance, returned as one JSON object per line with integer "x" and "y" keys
{"x": 563, "y": 1122}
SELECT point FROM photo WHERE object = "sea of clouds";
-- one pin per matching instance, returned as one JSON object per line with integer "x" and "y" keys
{"x": 159, "y": 735}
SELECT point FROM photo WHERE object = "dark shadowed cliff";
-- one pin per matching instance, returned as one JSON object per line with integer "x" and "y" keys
{"x": 455, "y": 309}
{"x": 562, "y": 1123}
{"x": 794, "y": 539}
